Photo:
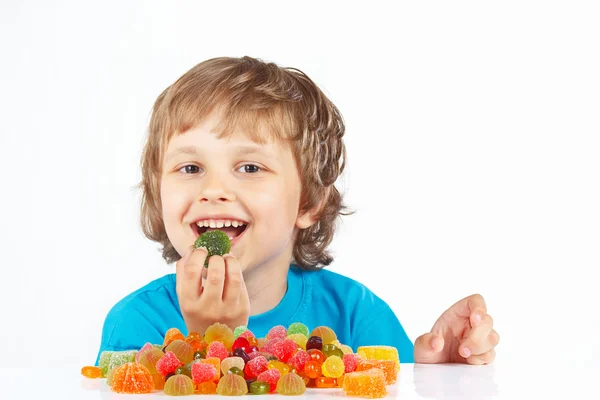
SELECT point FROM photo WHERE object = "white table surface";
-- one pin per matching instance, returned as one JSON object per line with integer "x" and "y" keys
{"x": 415, "y": 381}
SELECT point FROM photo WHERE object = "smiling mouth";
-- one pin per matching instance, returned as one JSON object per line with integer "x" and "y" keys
{"x": 230, "y": 231}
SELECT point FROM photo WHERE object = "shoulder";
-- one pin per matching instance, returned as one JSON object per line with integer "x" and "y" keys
{"x": 138, "y": 316}
{"x": 334, "y": 285}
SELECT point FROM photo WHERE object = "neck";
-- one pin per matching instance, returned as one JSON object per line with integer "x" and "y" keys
{"x": 267, "y": 283}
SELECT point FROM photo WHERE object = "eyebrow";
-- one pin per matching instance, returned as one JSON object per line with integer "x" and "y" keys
{"x": 242, "y": 150}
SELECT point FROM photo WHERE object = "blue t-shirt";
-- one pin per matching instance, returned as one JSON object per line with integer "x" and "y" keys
{"x": 357, "y": 315}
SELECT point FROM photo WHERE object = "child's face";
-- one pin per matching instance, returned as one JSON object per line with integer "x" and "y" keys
{"x": 233, "y": 178}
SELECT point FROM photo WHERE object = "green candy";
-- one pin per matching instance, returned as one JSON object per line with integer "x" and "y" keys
{"x": 216, "y": 242}
{"x": 111, "y": 359}
{"x": 236, "y": 370}
{"x": 238, "y": 331}
{"x": 298, "y": 327}
{"x": 332, "y": 350}
{"x": 258, "y": 387}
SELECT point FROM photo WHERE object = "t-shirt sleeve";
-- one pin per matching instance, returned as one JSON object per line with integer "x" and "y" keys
{"x": 128, "y": 327}
{"x": 384, "y": 328}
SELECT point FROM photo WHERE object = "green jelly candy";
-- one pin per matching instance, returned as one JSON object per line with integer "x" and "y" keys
{"x": 236, "y": 370}
{"x": 258, "y": 387}
{"x": 216, "y": 242}
{"x": 104, "y": 361}
{"x": 239, "y": 330}
{"x": 298, "y": 327}
{"x": 332, "y": 350}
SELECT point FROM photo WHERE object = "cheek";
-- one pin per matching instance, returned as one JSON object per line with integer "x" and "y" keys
{"x": 172, "y": 202}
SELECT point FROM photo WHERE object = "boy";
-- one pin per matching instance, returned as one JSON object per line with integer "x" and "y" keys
{"x": 254, "y": 150}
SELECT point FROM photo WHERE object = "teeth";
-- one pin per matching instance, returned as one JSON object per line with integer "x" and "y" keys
{"x": 219, "y": 223}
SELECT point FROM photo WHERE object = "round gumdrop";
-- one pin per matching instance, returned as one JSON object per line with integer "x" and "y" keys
{"x": 271, "y": 376}
{"x": 258, "y": 387}
{"x": 232, "y": 385}
{"x": 291, "y": 384}
{"x": 325, "y": 333}
{"x": 150, "y": 357}
{"x": 277, "y": 332}
{"x": 229, "y": 362}
{"x": 91, "y": 372}
{"x": 297, "y": 327}
{"x": 333, "y": 367}
{"x": 317, "y": 355}
{"x": 132, "y": 378}
{"x": 168, "y": 364}
{"x": 182, "y": 350}
{"x": 312, "y": 369}
{"x": 314, "y": 342}
{"x": 179, "y": 385}
{"x": 332, "y": 350}
{"x": 240, "y": 343}
{"x": 219, "y": 332}
{"x": 203, "y": 372}
{"x": 217, "y": 349}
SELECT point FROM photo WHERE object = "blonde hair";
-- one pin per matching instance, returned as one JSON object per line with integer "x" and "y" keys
{"x": 250, "y": 93}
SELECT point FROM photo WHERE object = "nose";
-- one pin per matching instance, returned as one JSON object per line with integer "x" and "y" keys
{"x": 215, "y": 190}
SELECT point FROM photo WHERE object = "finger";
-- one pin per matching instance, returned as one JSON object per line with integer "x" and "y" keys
{"x": 215, "y": 279}
{"x": 233, "y": 279}
{"x": 472, "y": 307}
{"x": 179, "y": 269}
{"x": 188, "y": 274}
{"x": 428, "y": 348}
{"x": 478, "y": 341}
{"x": 482, "y": 359}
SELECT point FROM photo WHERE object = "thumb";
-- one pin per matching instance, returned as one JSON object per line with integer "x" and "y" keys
{"x": 428, "y": 349}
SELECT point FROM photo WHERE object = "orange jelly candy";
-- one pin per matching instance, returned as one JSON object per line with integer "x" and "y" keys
{"x": 132, "y": 378}
{"x": 91, "y": 372}
{"x": 172, "y": 334}
{"x": 208, "y": 387}
{"x": 387, "y": 366}
{"x": 369, "y": 383}
{"x": 325, "y": 382}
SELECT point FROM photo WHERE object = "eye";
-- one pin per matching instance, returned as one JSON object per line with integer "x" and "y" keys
{"x": 190, "y": 169}
{"x": 250, "y": 168}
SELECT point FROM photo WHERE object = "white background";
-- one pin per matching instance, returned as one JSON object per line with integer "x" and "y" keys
{"x": 473, "y": 157}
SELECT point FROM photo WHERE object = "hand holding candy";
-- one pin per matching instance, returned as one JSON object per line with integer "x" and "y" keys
{"x": 221, "y": 297}
{"x": 463, "y": 334}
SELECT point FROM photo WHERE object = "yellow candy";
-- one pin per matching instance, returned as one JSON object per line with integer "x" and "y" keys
{"x": 380, "y": 353}
{"x": 300, "y": 339}
{"x": 333, "y": 367}
{"x": 282, "y": 367}
{"x": 370, "y": 384}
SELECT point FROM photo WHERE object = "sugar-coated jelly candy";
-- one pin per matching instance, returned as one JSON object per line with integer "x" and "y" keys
{"x": 238, "y": 331}
{"x": 215, "y": 242}
{"x": 168, "y": 364}
{"x": 182, "y": 350}
{"x": 203, "y": 372}
{"x": 144, "y": 348}
{"x": 232, "y": 385}
{"x": 387, "y": 366}
{"x": 370, "y": 383}
{"x": 325, "y": 382}
{"x": 258, "y": 387}
{"x": 217, "y": 349}
{"x": 112, "y": 359}
{"x": 271, "y": 376}
{"x": 91, "y": 372}
{"x": 314, "y": 342}
{"x": 179, "y": 385}
{"x": 291, "y": 385}
{"x": 380, "y": 353}
{"x": 325, "y": 333}
{"x": 297, "y": 327}
{"x": 277, "y": 332}
{"x": 255, "y": 366}
{"x": 247, "y": 334}
{"x": 132, "y": 377}
{"x": 215, "y": 362}
{"x": 350, "y": 362}
{"x": 333, "y": 367}
{"x": 229, "y": 362}
{"x": 298, "y": 360}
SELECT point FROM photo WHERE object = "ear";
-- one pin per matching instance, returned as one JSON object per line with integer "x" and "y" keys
{"x": 308, "y": 218}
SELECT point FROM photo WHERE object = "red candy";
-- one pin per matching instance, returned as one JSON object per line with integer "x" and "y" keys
{"x": 246, "y": 334}
{"x": 168, "y": 364}
{"x": 269, "y": 347}
{"x": 299, "y": 359}
{"x": 350, "y": 362}
{"x": 217, "y": 349}
{"x": 271, "y": 376}
{"x": 255, "y": 366}
{"x": 277, "y": 332}
{"x": 203, "y": 372}
{"x": 240, "y": 343}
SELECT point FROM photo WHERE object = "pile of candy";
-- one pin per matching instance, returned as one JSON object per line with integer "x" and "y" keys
{"x": 235, "y": 363}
